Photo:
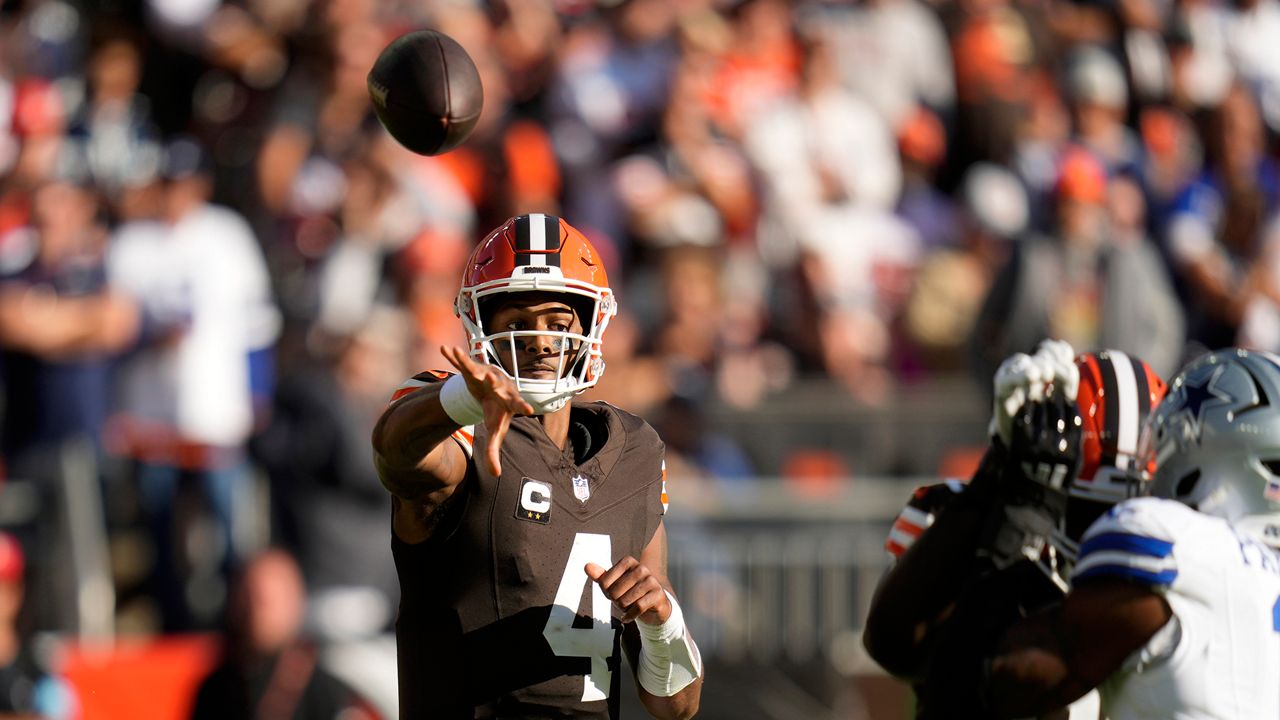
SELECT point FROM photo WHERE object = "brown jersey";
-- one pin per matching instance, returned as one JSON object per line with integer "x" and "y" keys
{"x": 497, "y": 616}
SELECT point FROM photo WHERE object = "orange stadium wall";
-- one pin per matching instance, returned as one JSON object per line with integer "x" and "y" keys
{"x": 139, "y": 679}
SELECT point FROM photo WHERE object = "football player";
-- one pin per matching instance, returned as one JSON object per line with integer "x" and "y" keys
{"x": 1174, "y": 610}
{"x": 524, "y": 568}
{"x": 1005, "y": 550}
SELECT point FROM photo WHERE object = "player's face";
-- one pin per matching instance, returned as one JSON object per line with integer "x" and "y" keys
{"x": 536, "y": 357}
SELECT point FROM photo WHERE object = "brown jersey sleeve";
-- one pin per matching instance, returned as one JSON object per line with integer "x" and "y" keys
{"x": 645, "y": 465}
{"x": 464, "y": 436}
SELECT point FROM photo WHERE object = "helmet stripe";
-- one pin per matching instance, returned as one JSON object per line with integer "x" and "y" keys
{"x": 538, "y": 240}
{"x": 1140, "y": 375}
{"x": 552, "y": 235}
{"x": 1127, "y": 401}
{"x": 1110, "y": 408}
{"x": 522, "y": 237}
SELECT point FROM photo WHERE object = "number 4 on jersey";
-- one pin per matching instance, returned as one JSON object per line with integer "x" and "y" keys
{"x": 595, "y": 642}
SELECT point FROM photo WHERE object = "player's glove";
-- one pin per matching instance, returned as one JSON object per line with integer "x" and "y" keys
{"x": 1023, "y": 378}
{"x": 1029, "y": 498}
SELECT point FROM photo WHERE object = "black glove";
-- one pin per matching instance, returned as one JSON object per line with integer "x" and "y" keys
{"x": 1029, "y": 498}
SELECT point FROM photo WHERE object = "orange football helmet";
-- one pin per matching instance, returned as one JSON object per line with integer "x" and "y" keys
{"x": 539, "y": 253}
{"x": 1117, "y": 394}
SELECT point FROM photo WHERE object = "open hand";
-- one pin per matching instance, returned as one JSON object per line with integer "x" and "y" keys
{"x": 498, "y": 396}
{"x": 634, "y": 589}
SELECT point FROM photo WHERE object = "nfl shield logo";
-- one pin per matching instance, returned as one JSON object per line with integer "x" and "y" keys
{"x": 581, "y": 488}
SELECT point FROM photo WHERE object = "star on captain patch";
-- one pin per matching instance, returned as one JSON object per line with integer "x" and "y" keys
{"x": 581, "y": 487}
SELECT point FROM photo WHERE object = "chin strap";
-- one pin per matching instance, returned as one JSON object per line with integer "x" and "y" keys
{"x": 542, "y": 404}
{"x": 669, "y": 659}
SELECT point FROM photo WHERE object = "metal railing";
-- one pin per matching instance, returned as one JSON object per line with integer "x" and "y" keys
{"x": 769, "y": 572}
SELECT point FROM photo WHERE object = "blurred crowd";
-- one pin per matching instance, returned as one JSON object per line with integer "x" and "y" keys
{"x": 215, "y": 265}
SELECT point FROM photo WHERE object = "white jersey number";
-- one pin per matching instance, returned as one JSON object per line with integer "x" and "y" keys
{"x": 595, "y": 642}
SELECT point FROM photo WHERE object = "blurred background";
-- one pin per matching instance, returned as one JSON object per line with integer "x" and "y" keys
{"x": 827, "y": 221}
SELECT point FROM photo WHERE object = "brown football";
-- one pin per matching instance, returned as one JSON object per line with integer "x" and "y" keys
{"x": 426, "y": 91}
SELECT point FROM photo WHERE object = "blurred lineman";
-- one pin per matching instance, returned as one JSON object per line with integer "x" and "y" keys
{"x": 1173, "y": 613}
{"x": 1007, "y": 541}
{"x": 520, "y": 571}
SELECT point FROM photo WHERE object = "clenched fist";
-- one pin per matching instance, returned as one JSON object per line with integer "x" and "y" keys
{"x": 634, "y": 589}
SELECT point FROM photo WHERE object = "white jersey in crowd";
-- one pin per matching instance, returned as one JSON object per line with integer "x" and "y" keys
{"x": 1219, "y": 657}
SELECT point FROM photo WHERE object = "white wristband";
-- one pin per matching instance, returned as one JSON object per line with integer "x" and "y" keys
{"x": 669, "y": 660}
{"x": 459, "y": 404}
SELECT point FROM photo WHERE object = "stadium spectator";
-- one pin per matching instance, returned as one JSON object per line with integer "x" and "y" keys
{"x": 316, "y": 454}
{"x": 1098, "y": 95}
{"x": 190, "y": 390}
{"x": 1080, "y": 283}
{"x": 61, "y": 326}
{"x": 268, "y": 669}
{"x": 1215, "y": 231}
{"x": 894, "y": 55}
{"x": 832, "y": 177}
{"x": 27, "y": 690}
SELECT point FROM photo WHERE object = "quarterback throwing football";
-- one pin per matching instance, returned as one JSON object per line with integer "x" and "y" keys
{"x": 526, "y": 568}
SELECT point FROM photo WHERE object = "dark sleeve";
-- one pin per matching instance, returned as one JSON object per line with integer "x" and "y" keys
{"x": 915, "y": 595}
{"x": 647, "y": 451}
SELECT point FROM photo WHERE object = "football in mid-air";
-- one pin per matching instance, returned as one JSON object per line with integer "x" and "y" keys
{"x": 426, "y": 91}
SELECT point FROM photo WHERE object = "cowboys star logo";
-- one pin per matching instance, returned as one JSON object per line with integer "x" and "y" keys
{"x": 1196, "y": 392}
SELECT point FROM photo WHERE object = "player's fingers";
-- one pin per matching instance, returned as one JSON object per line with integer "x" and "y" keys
{"x": 458, "y": 358}
{"x": 514, "y": 401}
{"x": 1011, "y": 373}
{"x": 594, "y": 571}
{"x": 619, "y": 569}
{"x": 622, "y": 587}
{"x": 643, "y": 604}
{"x": 1038, "y": 373}
{"x": 497, "y": 432}
{"x": 1060, "y": 351}
{"x": 642, "y": 588}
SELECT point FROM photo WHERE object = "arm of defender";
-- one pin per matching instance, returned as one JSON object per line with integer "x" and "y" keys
{"x": 918, "y": 592}
{"x": 666, "y": 661}
{"x": 1054, "y": 657}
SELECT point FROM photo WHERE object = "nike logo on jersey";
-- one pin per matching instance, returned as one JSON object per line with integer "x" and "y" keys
{"x": 535, "y": 501}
